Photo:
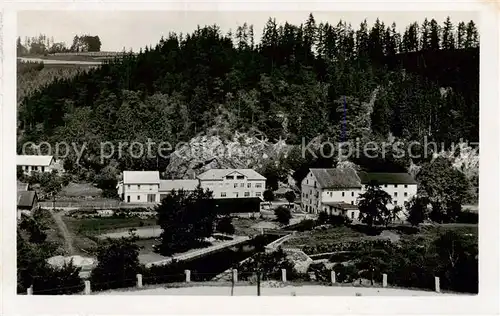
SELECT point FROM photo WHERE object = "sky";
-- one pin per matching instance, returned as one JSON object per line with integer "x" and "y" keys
{"x": 135, "y": 30}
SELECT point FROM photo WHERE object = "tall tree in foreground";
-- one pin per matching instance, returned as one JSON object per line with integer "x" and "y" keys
{"x": 118, "y": 264}
{"x": 416, "y": 210}
{"x": 373, "y": 208}
{"x": 186, "y": 218}
{"x": 446, "y": 187}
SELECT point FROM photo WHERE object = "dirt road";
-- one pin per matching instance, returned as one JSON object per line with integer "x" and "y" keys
{"x": 68, "y": 239}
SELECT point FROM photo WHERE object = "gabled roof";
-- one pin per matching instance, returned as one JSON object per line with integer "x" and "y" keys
{"x": 141, "y": 177}
{"x": 386, "y": 178}
{"x": 26, "y": 198}
{"x": 34, "y": 160}
{"x": 186, "y": 185}
{"x": 219, "y": 174}
{"x": 333, "y": 178}
{"x": 342, "y": 178}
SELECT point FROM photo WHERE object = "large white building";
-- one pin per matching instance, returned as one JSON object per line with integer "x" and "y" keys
{"x": 233, "y": 183}
{"x": 337, "y": 190}
{"x": 35, "y": 163}
{"x": 146, "y": 186}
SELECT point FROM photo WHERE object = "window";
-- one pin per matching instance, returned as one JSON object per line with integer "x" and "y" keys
{"x": 249, "y": 185}
{"x": 128, "y": 186}
{"x": 223, "y": 194}
{"x": 247, "y": 193}
{"x": 230, "y": 177}
{"x": 128, "y": 198}
{"x": 43, "y": 169}
{"x": 395, "y": 202}
{"x": 352, "y": 193}
{"x": 240, "y": 177}
{"x": 352, "y": 215}
{"x": 242, "y": 185}
{"x": 395, "y": 194}
{"x": 138, "y": 187}
{"x": 35, "y": 168}
{"x": 352, "y": 202}
{"x": 343, "y": 193}
{"x": 138, "y": 198}
{"x": 395, "y": 185}
{"x": 236, "y": 185}
{"x": 406, "y": 194}
{"x": 385, "y": 185}
{"x": 258, "y": 185}
{"x": 406, "y": 186}
{"x": 235, "y": 194}
{"x": 307, "y": 181}
{"x": 257, "y": 193}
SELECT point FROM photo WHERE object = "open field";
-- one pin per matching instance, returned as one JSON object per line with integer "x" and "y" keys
{"x": 103, "y": 225}
{"x": 249, "y": 290}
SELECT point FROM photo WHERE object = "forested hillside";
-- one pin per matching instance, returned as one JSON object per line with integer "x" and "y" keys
{"x": 301, "y": 81}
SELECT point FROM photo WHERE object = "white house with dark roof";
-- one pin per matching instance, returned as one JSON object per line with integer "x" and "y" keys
{"x": 146, "y": 186}
{"x": 35, "y": 163}
{"x": 337, "y": 190}
{"x": 233, "y": 183}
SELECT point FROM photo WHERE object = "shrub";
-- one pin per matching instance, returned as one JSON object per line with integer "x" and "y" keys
{"x": 156, "y": 274}
{"x": 345, "y": 273}
{"x": 467, "y": 217}
{"x": 225, "y": 226}
{"x": 283, "y": 215}
{"x": 57, "y": 281}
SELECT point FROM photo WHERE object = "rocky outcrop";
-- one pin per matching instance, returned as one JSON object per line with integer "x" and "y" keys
{"x": 242, "y": 150}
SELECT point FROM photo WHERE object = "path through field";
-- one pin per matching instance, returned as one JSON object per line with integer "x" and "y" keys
{"x": 68, "y": 239}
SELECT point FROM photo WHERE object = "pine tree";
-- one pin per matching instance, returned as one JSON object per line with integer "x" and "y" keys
{"x": 435, "y": 35}
{"x": 471, "y": 37}
{"x": 425, "y": 41}
{"x": 448, "y": 35}
{"x": 461, "y": 35}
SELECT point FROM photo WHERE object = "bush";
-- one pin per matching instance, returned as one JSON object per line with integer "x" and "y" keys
{"x": 157, "y": 274}
{"x": 467, "y": 217}
{"x": 225, "y": 226}
{"x": 345, "y": 274}
{"x": 283, "y": 215}
{"x": 58, "y": 281}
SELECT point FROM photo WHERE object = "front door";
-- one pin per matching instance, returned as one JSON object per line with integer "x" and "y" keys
{"x": 151, "y": 198}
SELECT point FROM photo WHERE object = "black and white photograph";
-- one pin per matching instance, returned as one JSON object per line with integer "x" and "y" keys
{"x": 248, "y": 153}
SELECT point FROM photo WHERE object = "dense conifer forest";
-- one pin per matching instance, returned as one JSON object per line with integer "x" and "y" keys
{"x": 300, "y": 81}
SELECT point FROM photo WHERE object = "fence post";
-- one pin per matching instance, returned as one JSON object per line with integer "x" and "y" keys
{"x": 188, "y": 275}
{"x": 436, "y": 283}
{"x": 235, "y": 275}
{"x": 384, "y": 280}
{"x": 333, "y": 277}
{"x": 283, "y": 275}
{"x": 30, "y": 290}
{"x": 139, "y": 280}
{"x": 87, "y": 287}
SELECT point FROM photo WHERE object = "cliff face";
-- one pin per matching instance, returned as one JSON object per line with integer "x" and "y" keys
{"x": 242, "y": 150}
